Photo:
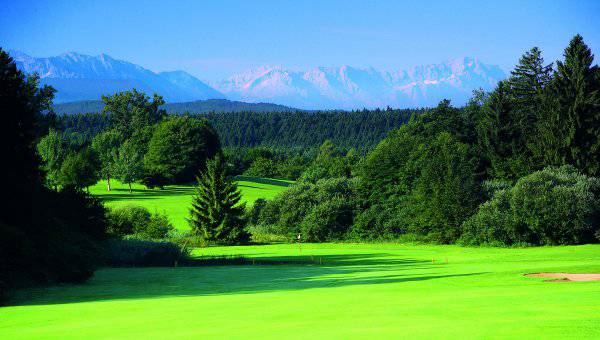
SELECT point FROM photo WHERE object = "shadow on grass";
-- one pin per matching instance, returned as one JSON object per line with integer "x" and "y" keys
{"x": 263, "y": 275}
{"x": 250, "y": 186}
{"x": 123, "y": 194}
{"x": 141, "y": 194}
{"x": 261, "y": 180}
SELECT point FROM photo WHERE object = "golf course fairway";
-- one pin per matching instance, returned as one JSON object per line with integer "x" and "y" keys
{"x": 175, "y": 200}
{"x": 333, "y": 291}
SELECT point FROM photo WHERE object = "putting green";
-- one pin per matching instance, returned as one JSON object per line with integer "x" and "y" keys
{"x": 357, "y": 291}
{"x": 175, "y": 200}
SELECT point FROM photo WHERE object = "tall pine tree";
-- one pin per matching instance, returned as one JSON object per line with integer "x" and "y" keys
{"x": 500, "y": 142}
{"x": 529, "y": 78}
{"x": 507, "y": 126}
{"x": 575, "y": 91}
{"x": 216, "y": 215}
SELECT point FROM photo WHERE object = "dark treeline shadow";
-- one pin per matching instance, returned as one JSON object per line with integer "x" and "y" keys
{"x": 242, "y": 276}
{"x": 261, "y": 180}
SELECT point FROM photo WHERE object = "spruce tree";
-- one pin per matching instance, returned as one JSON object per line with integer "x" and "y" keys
{"x": 499, "y": 137}
{"x": 530, "y": 77}
{"x": 216, "y": 215}
{"x": 576, "y": 87}
{"x": 507, "y": 128}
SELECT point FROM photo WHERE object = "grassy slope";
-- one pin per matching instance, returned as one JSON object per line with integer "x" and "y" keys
{"x": 360, "y": 291}
{"x": 175, "y": 200}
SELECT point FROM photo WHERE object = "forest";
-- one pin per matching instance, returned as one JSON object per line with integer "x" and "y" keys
{"x": 517, "y": 166}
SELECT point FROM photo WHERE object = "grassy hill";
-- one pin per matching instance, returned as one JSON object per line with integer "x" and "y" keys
{"x": 344, "y": 291}
{"x": 199, "y": 106}
{"x": 175, "y": 200}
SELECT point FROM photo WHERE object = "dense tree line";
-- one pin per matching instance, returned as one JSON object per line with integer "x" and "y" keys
{"x": 355, "y": 129}
{"x": 283, "y": 130}
{"x": 137, "y": 142}
{"x": 273, "y": 144}
{"x": 83, "y": 126}
{"x": 518, "y": 165}
{"x": 46, "y": 236}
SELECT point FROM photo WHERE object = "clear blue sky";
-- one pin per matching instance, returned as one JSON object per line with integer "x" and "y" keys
{"x": 212, "y": 39}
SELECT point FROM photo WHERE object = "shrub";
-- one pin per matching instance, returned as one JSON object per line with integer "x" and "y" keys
{"x": 140, "y": 253}
{"x": 320, "y": 211}
{"x": 157, "y": 228}
{"x": 382, "y": 221}
{"x": 267, "y": 234}
{"x": 328, "y": 221}
{"x": 132, "y": 219}
{"x": 126, "y": 219}
{"x": 549, "y": 207}
{"x": 492, "y": 224}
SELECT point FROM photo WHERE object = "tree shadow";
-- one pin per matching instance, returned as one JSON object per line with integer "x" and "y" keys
{"x": 279, "y": 274}
{"x": 272, "y": 181}
{"x": 141, "y": 194}
{"x": 250, "y": 186}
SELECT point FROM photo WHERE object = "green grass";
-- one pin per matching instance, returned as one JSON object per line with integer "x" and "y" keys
{"x": 175, "y": 200}
{"x": 358, "y": 291}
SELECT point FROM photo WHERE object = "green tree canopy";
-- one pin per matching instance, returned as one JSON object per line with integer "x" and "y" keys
{"x": 79, "y": 170}
{"x": 180, "y": 147}
{"x": 53, "y": 150}
{"x": 106, "y": 145}
{"x": 130, "y": 111}
{"x": 129, "y": 166}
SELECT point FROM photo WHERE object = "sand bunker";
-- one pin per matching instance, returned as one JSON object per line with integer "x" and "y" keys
{"x": 558, "y": 277}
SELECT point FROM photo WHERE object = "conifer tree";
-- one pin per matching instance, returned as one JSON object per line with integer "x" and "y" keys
{"x": 216, "y": 214}
{"x": 528, "y": 84}
{"x": 501, "y": 138}
{"x": 576, "y": 89}
{"x": 507, "y": 129}
{"x": 530, "y": 77}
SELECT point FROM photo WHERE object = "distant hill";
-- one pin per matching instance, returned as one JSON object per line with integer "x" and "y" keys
{"x": 199, "y": 106}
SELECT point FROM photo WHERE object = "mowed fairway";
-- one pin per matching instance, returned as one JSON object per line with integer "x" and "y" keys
{"x": 357, "y": 291}
{"x": 175, "y": 200}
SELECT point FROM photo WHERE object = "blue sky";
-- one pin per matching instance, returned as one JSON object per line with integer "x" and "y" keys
{"x": 213, "y": 39}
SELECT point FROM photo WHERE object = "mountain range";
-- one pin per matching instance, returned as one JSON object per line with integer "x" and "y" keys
{"x": 82, "y": 77}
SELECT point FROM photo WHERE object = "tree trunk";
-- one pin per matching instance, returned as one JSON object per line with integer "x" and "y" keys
{"x": 130, "y": 188}
{"x": 107, "y": 182}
